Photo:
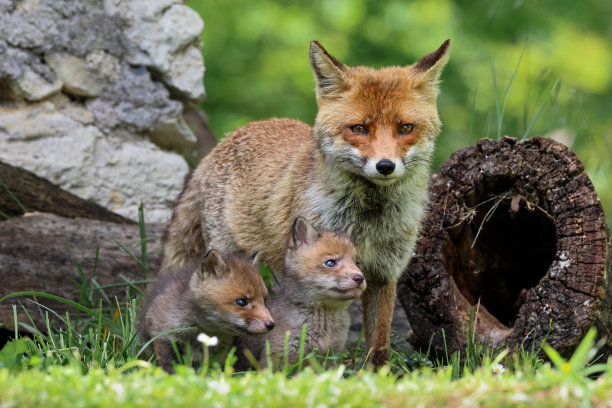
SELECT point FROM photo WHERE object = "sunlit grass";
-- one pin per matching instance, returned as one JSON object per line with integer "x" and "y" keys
{"x": 138, "y": 384}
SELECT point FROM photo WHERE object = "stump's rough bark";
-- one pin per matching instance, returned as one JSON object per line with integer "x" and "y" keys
{"x": 516, "y": 231}
{"x": 38, "y": 252}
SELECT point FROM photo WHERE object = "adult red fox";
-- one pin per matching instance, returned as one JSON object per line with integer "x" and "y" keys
{"x": 366, "y": 161}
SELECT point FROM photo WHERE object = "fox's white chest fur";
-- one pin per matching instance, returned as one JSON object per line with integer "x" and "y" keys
{"x": 386, "y": 218}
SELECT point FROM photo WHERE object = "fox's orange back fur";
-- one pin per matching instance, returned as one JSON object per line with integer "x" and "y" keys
{"x": 365, "y": 161}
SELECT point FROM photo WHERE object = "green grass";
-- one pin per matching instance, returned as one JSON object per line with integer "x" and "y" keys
{"x": 96, "y": 361}
{"x": 140, "y": 384}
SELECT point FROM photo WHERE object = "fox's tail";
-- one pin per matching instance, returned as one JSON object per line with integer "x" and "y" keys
{"x": 183, "y": 240}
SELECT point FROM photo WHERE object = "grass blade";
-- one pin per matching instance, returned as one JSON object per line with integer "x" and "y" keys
{"x": 143, "y": 240}
{"x": 498, "y": 111}
{"x": 546, "y": 98}
{"x": 10, "y": 193}
{"x": 471, "y": 131}
{"x": 84, "y": 309}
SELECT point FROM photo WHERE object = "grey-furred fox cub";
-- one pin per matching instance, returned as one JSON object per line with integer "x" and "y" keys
{"x": 321, "y": 278}
{"x": 222, "y": 296}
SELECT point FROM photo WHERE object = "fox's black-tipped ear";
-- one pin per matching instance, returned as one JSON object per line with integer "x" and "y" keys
{"x": 428, "y": 69}
{"x": 327, "y": 70}
{"x": 213, "y": 265}
{"x": 256, "y": 258}
{"x": 303, "y": 233}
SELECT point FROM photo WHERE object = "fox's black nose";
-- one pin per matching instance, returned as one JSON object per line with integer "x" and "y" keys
{"x": 270, "y": 325}
{"x": 358, "y": 278}
{"x": 385, "y": 167}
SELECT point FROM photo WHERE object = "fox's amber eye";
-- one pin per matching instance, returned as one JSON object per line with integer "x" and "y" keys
{"x": 242, "y": 302}
{"x": 359, "y": 129}
{"x": 330, "y": 263}
{"x": 406, "y": 129}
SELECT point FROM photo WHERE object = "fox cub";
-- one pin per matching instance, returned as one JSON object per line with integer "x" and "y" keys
{"x": 222, "y": 296}
{"x": 321, "y": 278}
{"x": 366, "y": 161}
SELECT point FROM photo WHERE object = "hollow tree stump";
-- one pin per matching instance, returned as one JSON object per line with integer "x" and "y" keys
{"x": 515, "y": 231}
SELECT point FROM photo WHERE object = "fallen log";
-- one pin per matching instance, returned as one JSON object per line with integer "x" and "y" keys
{"x": 43, "y": 252}
{"x": 21, "y": 190}
{"x": 516, "y": 233}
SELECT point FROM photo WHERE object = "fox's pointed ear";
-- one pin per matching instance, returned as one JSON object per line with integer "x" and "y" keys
{"x": 303, "y": 233}
{"x": 213, "y": 265}
{"x": 427, "y": 70}
{"x": 256, "y": 258}
{"x": 327, "y": 70}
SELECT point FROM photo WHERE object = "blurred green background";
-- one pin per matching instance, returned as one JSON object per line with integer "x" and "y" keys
{"x": 256, "y": 57}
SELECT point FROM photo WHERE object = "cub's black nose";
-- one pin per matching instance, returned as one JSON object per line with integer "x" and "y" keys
{"x": 358, "y": 278}
{"x": 385, "y": 167}
{"x": 270, "y": 325}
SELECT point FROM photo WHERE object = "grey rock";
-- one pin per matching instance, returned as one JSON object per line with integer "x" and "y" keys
{"x": 75, "y": 74}
{"x": 103, "y": 66}
{"x": 118, "y": 171}
{"x": 33, "y": 87}
{"x": 134, "y": 102}
{"x": 186, "y": 73}
{"x": 7, "y": 6}
{"x": 87, "y": 85}
{"x": 174, "y": 134}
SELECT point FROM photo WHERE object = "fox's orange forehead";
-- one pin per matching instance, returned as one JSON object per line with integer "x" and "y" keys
{"x": 389, "y": 96}
{"x": 331, "y": 243}
{"x": 383, "y": 83}
{"x": 244, "y": 278}
{"x": 382, "y": 100}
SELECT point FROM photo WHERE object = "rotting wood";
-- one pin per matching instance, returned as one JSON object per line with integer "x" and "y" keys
{"x": 516, "y": 231}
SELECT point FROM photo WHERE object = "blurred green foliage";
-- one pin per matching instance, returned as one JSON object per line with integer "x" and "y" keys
{"x": 256, "y": 56}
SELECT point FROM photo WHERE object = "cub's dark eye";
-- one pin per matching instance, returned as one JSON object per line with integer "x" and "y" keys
{"x": 358, "y": 264}
{"x": 405, "y": 129}
{"x": 242, "y": 302}
{"x": 359, "y": 129}
{"x": 330, "y": 263}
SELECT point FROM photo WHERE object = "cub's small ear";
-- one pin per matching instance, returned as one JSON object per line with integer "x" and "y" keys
{"x": 329, "y": 73}
{"x": 427, "y": 70}
{"x": 213, "y": 265}
{"x": 256, "y": 258}
{"x": 303, "y": 233}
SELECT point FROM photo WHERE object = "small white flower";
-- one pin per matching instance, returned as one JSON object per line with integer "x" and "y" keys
{"x": 207, "y": 340}
{"x": 498, "y": 369}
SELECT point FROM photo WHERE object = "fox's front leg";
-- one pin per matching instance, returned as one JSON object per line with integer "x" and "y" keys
{"x": 378, "y": 302}
{"x": 165, "y": 355}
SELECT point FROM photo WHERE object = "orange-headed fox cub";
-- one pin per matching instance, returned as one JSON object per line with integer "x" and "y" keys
{"x": 222, "y": 296}
{"x": 366, "y": 161}
{"x": 321, "y": 279}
